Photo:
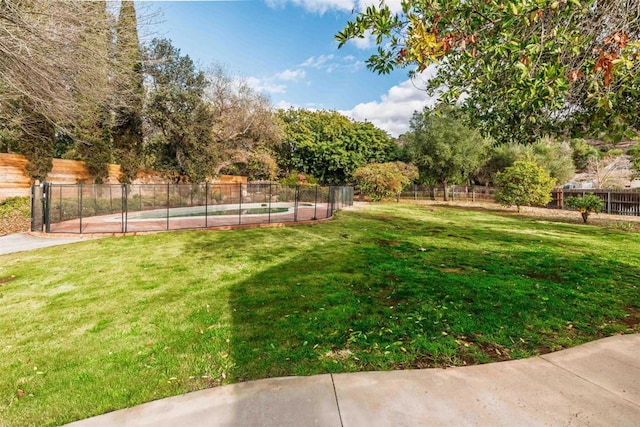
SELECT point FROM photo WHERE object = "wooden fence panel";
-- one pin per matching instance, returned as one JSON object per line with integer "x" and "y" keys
{"x": 14, "y": 179}
{"x": 616, "y": 202}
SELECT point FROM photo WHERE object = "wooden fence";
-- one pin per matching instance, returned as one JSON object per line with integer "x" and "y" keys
{"x": 15, "y": 181}
{"x": 458, "y": 192}
{"x": 617, "y": 202}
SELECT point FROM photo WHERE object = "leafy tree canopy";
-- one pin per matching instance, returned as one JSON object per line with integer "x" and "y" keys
{"x": 555, "y": 156}
{"x": 525, "y": 68}
{"x": 524, "y": 184}
{"x": 329, "y": 146}
{"x": 443, "y": 148}
{"x": 180, "y": 122}
{"x": 380, "y": 180}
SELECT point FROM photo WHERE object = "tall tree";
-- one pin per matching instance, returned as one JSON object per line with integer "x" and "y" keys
{"x": 48, "y": 56}
{"x": 246, "y": 131}
{"x": 180, "y": 121}
{"x": 93, "y": 126}
{"x": 33, "y": 137}
{"x": 444, "y": 150}
{"x": 329, "y": 146}
{"x": 524, "y": 67}
{"x": 127, "y": 126}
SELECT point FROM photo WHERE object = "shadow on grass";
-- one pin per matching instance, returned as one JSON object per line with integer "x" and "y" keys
{"x": 400, "y": 293}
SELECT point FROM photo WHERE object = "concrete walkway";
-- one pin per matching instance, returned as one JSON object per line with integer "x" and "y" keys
{"x": 596, "y": 384}
{"x": 24, "y": 242}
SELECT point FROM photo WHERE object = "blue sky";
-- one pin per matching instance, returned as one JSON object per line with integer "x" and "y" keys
{"x": 286, "y": 49}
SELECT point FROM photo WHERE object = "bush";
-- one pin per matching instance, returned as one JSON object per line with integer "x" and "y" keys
{"x": 15, "y": 215}
{"x": 524, "y": 184}
{"x": 380, "y": 180}
{"x": 296, "y": 178}
{"x": 15, "y": 206}
{"x": 587, "y": 204}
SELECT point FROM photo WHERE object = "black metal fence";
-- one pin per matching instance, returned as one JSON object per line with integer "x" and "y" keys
{"x": 62, "y": 208}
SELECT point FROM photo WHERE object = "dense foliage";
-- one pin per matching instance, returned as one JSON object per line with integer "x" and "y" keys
{"x": 583, "y": 153}
{"x": 525, "y": 68}
{"x": 380, "y": 180}
{"x": 555, "y": 156}
{"x": 15, "y": 215}
{"x": 329, "y": 146}
{"x": 634, "y": 156}
{"x": 180, "y": 121}
{"x": 444, "y": 150}
{"x": 586, "y": 205}
{"x": 524, "y": 184}
{"x": 127, "y": 126}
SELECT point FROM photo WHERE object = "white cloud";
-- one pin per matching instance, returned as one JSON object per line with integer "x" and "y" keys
{"x": 315, "y": 6}
{"x": 318, "y": 61}
{"x": 323, "y": 6}
{"x": 395, "y": 108}
{"x": 365, "y": 42}
{"x": 285, "y": 105}
{"x": 331, "y": 63}
{"x": 291, "y": 75}
{"x": 266, "y": 85}
{"x": 274, "y": 83}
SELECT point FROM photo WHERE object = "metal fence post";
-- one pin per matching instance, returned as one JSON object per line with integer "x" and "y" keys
{"x": 296, "y": 196}
{"x": 46, "y": 205}
{"x": 125, "y": 206}
{"x": 33, "y": 211}
{"x": 240, "y": 205}
{"x": 270, "y": 197}
{"x": 206, "y": 204}
{"x": 80, "y": 206}
{"x": 315, "y": 205}
{"x": 168, "y": 205}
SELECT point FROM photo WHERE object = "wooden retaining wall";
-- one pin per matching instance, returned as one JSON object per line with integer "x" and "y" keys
{"x": 15, "y": 181}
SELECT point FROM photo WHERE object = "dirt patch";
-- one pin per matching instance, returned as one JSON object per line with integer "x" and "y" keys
{"x": 382, "y": 242}
{"x": 452, "y": 270}
{"x": 632, "y": 321}
{"x": 337, "y": 355}
{"x": 14, "y": 224}
{"x": 7, "y": 279}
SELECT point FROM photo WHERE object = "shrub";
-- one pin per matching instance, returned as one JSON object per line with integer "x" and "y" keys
{"x": 296, "y": 178}
{"x": 524, "y": 184}
{"x": 380, "y": 180}
{"x": 15, "y": 215}
{"x": 15, "y": 206}
{"x": 587, "y": 204}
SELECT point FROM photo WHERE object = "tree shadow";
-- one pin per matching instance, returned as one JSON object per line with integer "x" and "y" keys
{"x": 377, "y": 298}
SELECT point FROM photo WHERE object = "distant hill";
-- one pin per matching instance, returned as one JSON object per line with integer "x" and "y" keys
{"x": 613, "y": 172}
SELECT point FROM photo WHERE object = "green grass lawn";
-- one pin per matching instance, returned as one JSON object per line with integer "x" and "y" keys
{"x": 111, "y": 323}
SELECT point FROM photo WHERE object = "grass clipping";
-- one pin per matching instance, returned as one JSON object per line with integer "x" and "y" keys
{"x": 14, "y": 215}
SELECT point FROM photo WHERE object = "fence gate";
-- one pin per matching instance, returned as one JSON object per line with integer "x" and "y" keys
{"x": 38, "y": 207}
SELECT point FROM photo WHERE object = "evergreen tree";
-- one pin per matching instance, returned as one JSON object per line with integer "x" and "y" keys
{"x": 92, "y": 131}
{"x": 127, "y": 126}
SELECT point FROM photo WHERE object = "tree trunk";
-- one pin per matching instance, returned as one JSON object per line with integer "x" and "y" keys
{"x": 585, "y": 215}
{"x": 444, "y": 187}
